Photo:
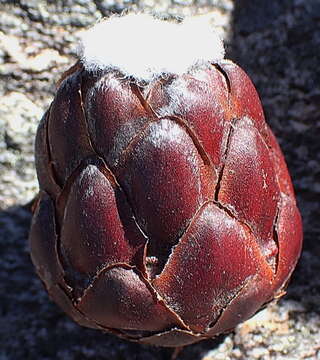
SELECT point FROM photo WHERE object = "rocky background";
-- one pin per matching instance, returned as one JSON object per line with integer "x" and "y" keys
{"x": 278, "y": 44}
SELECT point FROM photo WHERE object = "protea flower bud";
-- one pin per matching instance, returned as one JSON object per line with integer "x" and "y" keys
{"x": 166, "y": 213}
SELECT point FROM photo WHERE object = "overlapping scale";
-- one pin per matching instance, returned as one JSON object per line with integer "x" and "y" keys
{"x": 129, "y": 302}
{"x": 211, "y": 264}
{"x": 249, "y": 186}
{"x": 289, "y": 234}
{"x": 45, "y": 256}
{"x": 115, "y": 115}
{"x": 98, "y": 227}
{"x": 45, "y": 172}
{"x": 68, "y": 137}
{"x": 244, "y": 99}
{"x": 162, "y": 178}
{"x": 202, "y": 101}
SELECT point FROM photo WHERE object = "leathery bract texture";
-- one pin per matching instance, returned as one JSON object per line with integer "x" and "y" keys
{"x": 166, "y": 214}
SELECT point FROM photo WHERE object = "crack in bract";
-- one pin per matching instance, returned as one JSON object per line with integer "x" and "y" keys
{"x": 224, "y": 157}
{"x": 192, "y": 220}
{"x": 232, "y": 298}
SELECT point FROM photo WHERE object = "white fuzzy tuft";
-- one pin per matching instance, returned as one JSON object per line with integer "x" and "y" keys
{"x": 145, "y": 47}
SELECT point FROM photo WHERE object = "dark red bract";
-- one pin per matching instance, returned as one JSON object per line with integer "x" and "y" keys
{"x": 166, "y": 214}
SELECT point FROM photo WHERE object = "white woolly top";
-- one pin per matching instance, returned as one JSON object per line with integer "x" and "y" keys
{"x": 145, "y": 47}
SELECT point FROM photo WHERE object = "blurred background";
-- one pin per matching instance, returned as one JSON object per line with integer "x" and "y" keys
{"x": 278, "y": 44}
